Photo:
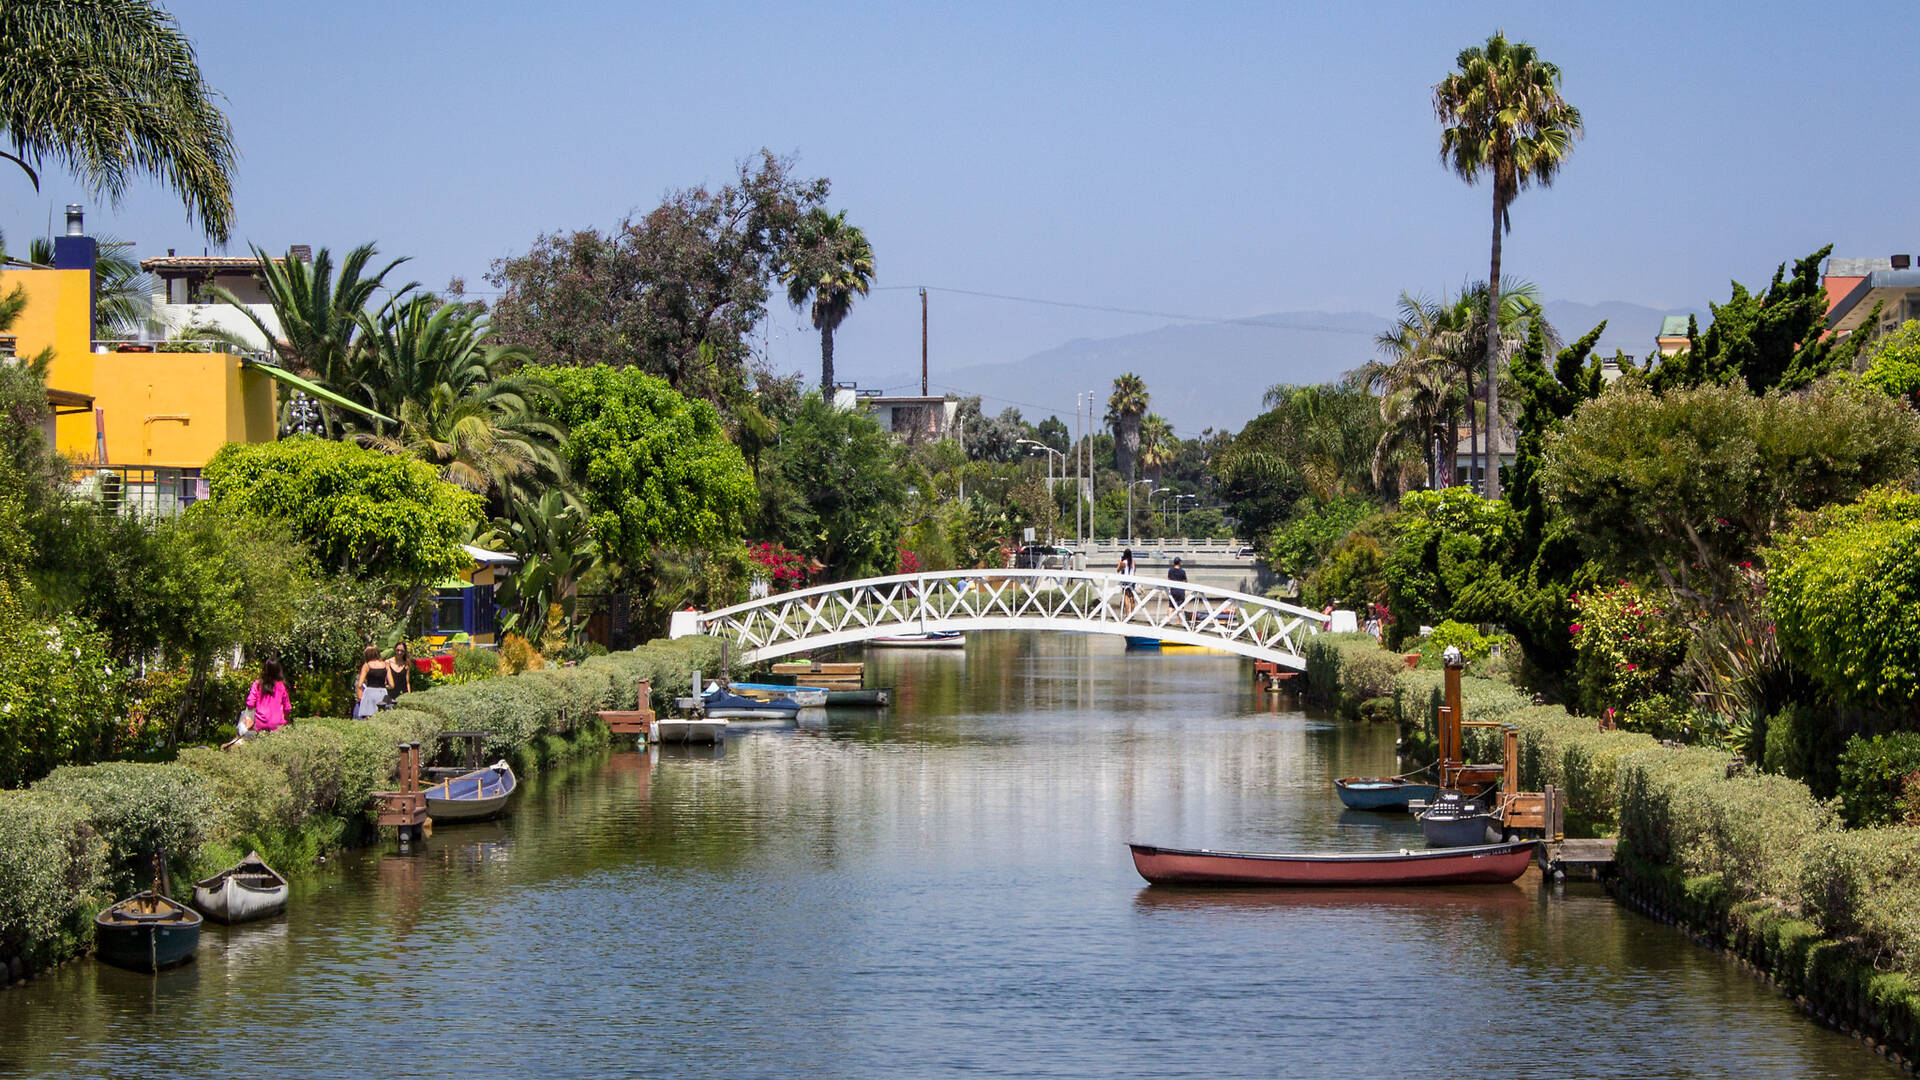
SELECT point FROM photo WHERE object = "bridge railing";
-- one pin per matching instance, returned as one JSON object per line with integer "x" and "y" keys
{"x": 1071, "y": 600}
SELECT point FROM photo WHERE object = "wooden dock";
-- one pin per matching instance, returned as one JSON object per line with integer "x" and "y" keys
{"x": 1584, "y": 860}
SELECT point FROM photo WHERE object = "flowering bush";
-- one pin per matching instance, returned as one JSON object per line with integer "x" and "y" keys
{"x": 60, "y": 697}
{"x": 787, "y": 570}
{"x": 909, "y": 563}
{"x": 1628, "y": 648}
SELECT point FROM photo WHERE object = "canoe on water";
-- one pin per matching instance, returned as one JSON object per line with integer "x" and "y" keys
{"x": 943, "y": 639}
{"x": 476, "y": 796}
{"x": 1381, "y": 792}
{"x": 247, "y": 890}
{"x": 1487, "y": 864}
{"x": 146, "y": 932}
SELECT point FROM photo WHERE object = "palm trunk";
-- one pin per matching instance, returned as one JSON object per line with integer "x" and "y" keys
{"x": 1493, "y": 363}
{"x": 1473, "y": 431}
{"x": 826, "y": 364}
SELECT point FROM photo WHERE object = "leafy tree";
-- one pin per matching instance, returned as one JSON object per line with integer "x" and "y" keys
{"x": 654, "y": 467}
{"x": 649, "y": 293}
{"x": 1774, "y": 340}
{"x": 60, "y": 694}
{"x": 1316, "y": 441}
{"x": 1444, "y": 557}
{"x": 1505, "y": 120}
{"x": 377, "y": 516}
{"x": 991, "y": 438}
{"x": 111, "y": 89}
{"x": 1687, "y": 485}
{"x": 1299, "y": 547}
{"x": 1053, "y": 431}
{"x": 850, "y": 482}
{"x": 556, "y": 547}
{"x": 831, "y": 264}
{"x": 1125, "y": 408}
{"x": 1894, "y": 366}
{"x": 1844, "y": 587}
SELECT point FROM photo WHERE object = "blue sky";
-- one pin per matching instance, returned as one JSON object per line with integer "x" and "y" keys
{"x": 1210, "y": 159}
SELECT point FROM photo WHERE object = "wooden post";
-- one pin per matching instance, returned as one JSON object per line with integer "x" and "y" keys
{"x": 1510, "y": 782}
{"x": 1452, "y": 752}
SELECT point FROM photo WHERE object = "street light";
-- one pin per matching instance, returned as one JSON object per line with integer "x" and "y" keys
{"x": 1163, "y": 505}
{"x": 1051, "y": 454}
{"x": 1130, "y": 488}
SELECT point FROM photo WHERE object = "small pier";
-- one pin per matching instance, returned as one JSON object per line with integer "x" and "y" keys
{"x": 636, "y": 722}
{"x": 1581, "y": 860}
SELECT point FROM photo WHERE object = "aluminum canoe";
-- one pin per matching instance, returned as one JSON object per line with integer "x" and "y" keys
{"x": 243, "y": 892}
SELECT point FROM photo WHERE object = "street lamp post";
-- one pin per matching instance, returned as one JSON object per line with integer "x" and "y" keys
{"x": 1051, "y": 454}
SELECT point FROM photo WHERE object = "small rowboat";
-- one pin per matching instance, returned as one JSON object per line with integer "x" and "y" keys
{"x": 476, "y": 796}
{"x": 804, "y": 696}
{"x": 146, "y": 932}
{"x": 942, "y": 639}
{"x": 678, "y": 730}
{"x": 1488, "y": 864}
{"x": 875, "y": 698}
{"x": 1454, "y": 821}
{"x": 1381, "y": 792}
{"x": 721, "y": 705}
{"x": 247, "y": 890}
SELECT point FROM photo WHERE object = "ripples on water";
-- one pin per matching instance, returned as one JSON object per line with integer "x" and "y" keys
{"x": 940, "y": 887}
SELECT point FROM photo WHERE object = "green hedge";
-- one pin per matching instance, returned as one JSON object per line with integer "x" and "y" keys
{"x": 1873, "y": 775}
{"x": 1347, "y": 670}
{"x": 84, "y": 835}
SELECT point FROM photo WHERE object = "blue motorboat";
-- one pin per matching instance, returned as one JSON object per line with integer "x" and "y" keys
{"x": 1382, "y": 792}
{"x": 717, "y": 704}
{"x": 1137, "y": 642}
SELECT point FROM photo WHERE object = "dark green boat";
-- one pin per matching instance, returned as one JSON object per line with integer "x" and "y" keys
{"x": 146, "y": 932}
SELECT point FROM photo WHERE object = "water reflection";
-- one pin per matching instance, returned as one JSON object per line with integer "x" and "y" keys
{"x": 934, "y": 888}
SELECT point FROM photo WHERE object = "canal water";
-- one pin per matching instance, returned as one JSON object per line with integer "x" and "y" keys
{"x": 940, "y": 887}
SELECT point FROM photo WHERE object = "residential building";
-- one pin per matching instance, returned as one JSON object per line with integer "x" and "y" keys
{"x": 1855, "y": 287}
{"x": 1673, "y": 337}
{"x": 912, "y": 418}
{"x": 1470, "y": 469}
{"x": 185, "y": 305}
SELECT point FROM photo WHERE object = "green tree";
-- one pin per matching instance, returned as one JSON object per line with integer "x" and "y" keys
{"x": 1505, "y": 120}
{"x": 1894, "y": 366}
{"x": 111, "y": 89}
{"x": 1776, "y": 339}
{"x": 1158, "y": 445}
{"x": 377, "y": 516}
{"x": 1685, "y": 486}
{"x": 556, "y": 547}
{"x": 653, "y": 466}
{"x": 831, "y": 264}
{"x": 1444, "y": 558}
{"x": 654, "y": 290}
{"x": 849, "y": 479}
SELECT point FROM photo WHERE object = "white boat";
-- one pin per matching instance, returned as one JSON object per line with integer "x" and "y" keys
{"x": 673, "y": 729}
{"x": 476, "y": 796}
{"x": 943, "y": 639}
{"x": 247, "y": 890}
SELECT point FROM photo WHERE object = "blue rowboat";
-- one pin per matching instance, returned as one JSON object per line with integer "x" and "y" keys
{"x": 476, "y": 796}
{"x": 1136, "y": 642}
{"x": 1381, "y": 792}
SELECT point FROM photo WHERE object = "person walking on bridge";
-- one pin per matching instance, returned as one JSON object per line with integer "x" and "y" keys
{"x": 1176, "y": 572}
{"x": 1125, "y": 570}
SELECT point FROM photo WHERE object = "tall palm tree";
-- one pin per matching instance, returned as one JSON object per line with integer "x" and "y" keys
{"x": 1505, "y": 119}
{"x": 110, "y": 89}
{"x": 833, "y": 265}
{"x": 1125, "y": 408}
{"x": 1419, "y": 399}
{"x": 432, "y": 366}
{"x": 321, "y": 315}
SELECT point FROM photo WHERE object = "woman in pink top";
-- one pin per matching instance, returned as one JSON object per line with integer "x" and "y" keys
{"x": 268, "y": 699}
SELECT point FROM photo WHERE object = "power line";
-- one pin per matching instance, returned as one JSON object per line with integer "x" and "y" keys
{"x": 1250, "y": 321}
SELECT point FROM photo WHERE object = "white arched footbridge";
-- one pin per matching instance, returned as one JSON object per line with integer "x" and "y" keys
{"x": 1068, "y": 601}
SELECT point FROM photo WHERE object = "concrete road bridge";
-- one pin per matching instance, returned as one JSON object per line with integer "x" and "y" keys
{"x": 1064, "y": 601}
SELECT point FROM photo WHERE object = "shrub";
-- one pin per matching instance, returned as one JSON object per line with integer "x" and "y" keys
{"x": 1805, "y": 743}
{"x": 59, "y": 694}
{"x": 1473, "y": 644}
{"x": 475, "y": 663}
{"x": 517, "y": 654}
{"x": 1873, "y": 775}
{"x": 53, "y": 866}
{"x": 1865, "y": 885}
{"x": 1627, "y": 651}
{"x": 138, "y": 810}
{"x": 1368, "y": 673}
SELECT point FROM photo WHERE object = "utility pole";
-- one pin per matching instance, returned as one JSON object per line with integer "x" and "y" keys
{"x": 1088, "y": 450}
{"x": 1076, "y": 470}
{"x": 923, "y": 341}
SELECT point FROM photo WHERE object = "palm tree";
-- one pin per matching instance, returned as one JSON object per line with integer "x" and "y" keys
{"x": 1418, "y": 396}
{"x": 1158, "y": 445}
{"x": 1505, "y": 119}
{"x": 554, "y": 539}
{"x": 432, "y": 366}
{"x": 110, "y": 89}
{"x": 321, "y": 315}
{"x": 1125, "y": 407}
{"x": 834, "y": 264}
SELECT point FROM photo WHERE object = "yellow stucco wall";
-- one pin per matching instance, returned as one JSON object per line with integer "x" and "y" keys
{"x": 177, "y": 409}
{"x": 169, "y": 409}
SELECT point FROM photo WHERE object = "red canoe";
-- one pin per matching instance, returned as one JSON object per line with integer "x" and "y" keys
{"x": 1486, "y": 864}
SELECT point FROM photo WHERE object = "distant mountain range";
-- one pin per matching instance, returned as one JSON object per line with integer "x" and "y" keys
{"x": 1205, "y": 375}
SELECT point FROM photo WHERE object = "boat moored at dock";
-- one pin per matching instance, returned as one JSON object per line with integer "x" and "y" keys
{"x": 476, "y": 796}
{"x": 1382, "y": 792}
{"x": 146, "y": 932}
{"x": 1481, "y": 865}
{"x": 243, "y": 892}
